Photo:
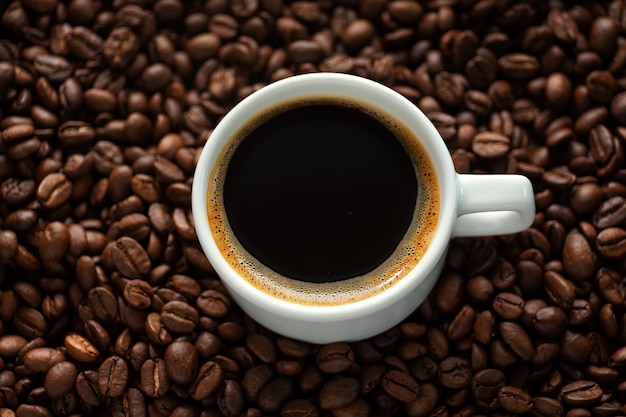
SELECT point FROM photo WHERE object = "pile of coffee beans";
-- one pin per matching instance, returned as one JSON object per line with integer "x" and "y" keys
{"x": 108, "y": 306}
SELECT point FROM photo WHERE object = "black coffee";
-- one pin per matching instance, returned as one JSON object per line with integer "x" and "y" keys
{"x": 320, "y": 193}
{"x": 323, "y": 201}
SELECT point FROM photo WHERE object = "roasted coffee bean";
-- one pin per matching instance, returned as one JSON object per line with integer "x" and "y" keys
{"x": 87, "y": 388}
{"x": 185, "y": 285}
{"x": 17, "y": 133}
{"x": 154, "y": 379}
{"x": 54, "y": 190}
{"x": 580, "y": 312}
{"x": 490, "y": 145}
{"x": 54, "y": 241}
{"x": 120, "y": 47}
{"x": 156, "y": 331}
{"x": 130, "y": 258}
{"x": 450, "y": 87}
{"x": 449, "y": 293}
{"x": 79, "y": 348}
{"x": 231, "y": 332}
{"x": 277, "y": 392}
{"x": 255, "y": 379}
{"x": 8, "y": 245}
{"x": 103, "y": 304}
{"x": 22, "y": 220}
{"x": 545, "y": 406}
{"x": 26, "y": 410}
{"x": 335, "y": 358}
{"x": 60, "y": 379}
{"x": 55, "y": 68}
{"x": 518, "y": 65}
{"x": 210, "y": 376}
{"x": 16, "y": 192}
{"x": 299, "y": 407}
{"x": 601, "y": 85}
{"x": 230, "y": 398}
{"x": 338, "y": 393}
{"x": 10, "y": 345}
{"x": 581, "y": 393}
{"x": 483, "y": 327}
{"x": 517, "y": 339}
{"x": 179, "y": 317}
{"x": 618, "y": 358}
{"x": 508, "y": 306}
{"x": 455, "y": 373}
{"x": 262, "y": 347}
{"x": 400, "y": 386}
{"x": 610, "y": 286}
{"x": 578, "y": 257}
{"x": 462, "y": 323}
{"x": 514, "y": 400}
{"x": 181, "y": 362}
{"x": 97, "y": 334}
{"x": 485, "y": 385}
{"x": 550, "y": 322}
{"x": 30, "y": 323}
{"x": 611, "y": 242}
{"x": 138, "y": 293}
{"x": 612, "y": 212}
{"x": 575, "y": 347}
{"x": 113, "y": 377}
{"x": 28, "y": 293}
{"x": 559, "y": 289}
{"x": 41, "y": 359}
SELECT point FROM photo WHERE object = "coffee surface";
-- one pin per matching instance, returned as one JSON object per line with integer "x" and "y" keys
{"x": 320, "y": 193}
{"x": 326, "y": 209}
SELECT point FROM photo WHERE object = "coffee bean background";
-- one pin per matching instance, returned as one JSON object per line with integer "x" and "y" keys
{"x": 108, "y": 306}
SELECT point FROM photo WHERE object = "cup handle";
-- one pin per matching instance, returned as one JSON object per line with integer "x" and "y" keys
{"x": 493, "y": 204}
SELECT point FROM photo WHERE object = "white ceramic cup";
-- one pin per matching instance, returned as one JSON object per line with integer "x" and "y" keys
{"x": 470, "y": 205}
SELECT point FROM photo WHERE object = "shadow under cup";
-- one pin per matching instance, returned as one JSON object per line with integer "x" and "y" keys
{"x": 388, "y": 292}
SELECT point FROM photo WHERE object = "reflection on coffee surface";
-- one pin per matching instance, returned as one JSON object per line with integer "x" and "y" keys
{"x": 323, "y": 201}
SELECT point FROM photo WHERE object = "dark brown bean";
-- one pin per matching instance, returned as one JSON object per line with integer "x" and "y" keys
{"x": 611, "y": 242}
{"x": 454, "y": 373}
{"x": 559, "y": 289}
{"x": 179, "y": 317}
{"x": 130, "y": 258}
{"x": 112, "y": 377}
{"x": 514, "y": 400}
{"x": 400, "y": 386}
{"x": 338, "y": 393}
{"x": 581, "y": 393}
{"x": 578, "y": 257}
{"x": 138, "y": 293}
{"x": 209, "y": 378}
{"x": 508, "y": 306}
{"x": 40, "y": 359}
{"x": 276, "y": 393}
{"x": 335, "y": 358}
{"x": 54, "y": 190}
{"x": 181, "y": 362}
{"x": 87, "y": 388}
{"x": 60, "y": 379}
{"x": 154, "y": 379}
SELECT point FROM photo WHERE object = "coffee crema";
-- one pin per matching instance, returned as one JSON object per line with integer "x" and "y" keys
{"x": 323, "y": 201}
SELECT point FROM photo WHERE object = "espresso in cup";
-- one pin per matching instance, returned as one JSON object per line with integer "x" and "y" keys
{"x": 323, "y": 200}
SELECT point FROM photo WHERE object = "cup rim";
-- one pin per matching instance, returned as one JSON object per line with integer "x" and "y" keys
{"x": 343, "y": 85}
